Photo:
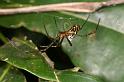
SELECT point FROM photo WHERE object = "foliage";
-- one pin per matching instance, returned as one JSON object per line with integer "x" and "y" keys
{"x": 99, "y": 56}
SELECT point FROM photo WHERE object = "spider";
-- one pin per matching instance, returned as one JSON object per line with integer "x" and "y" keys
{"x": 68, "y": 34}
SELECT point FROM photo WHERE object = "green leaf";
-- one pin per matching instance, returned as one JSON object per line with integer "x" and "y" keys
{"x": 111, "y": 17}
{"x": 10, "y": 74}
{"x": 69, "y": 76}
{"x": 22, "y": 54}
{"x": 33, "y": 21}
{"x": 102, "y": 54}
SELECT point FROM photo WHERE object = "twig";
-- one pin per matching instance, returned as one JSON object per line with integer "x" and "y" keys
{"x": 74, "y": 7}
{"x": 48, "y": 60}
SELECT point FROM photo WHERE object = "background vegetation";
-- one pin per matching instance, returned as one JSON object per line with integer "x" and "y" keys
{"x": 99, "y": 57}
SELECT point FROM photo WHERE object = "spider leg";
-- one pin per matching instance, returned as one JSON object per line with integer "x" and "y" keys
{"x": 98, "y": 24}
{"x": 85, "y": 21}
{"x": 46, "y": 30}
{"x": 92, "y": 31}
{"x": 69, "y": 41}
{"x": 55, "y": 22}
{"x": 50, "y": 45}
{"x": 95, "y": 29}
{"x": 60, "y": 41}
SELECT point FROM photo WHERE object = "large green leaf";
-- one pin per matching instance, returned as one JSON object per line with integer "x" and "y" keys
{"x": 102, "y": 56}
{"x": 69, "y": 76}
{"x": 31, "y": 21}
{"x": 10, "y": 74}
{"x": 24, "y": 55}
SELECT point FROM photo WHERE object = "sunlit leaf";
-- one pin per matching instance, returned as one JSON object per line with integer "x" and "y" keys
{"x": 22, "y": 54}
